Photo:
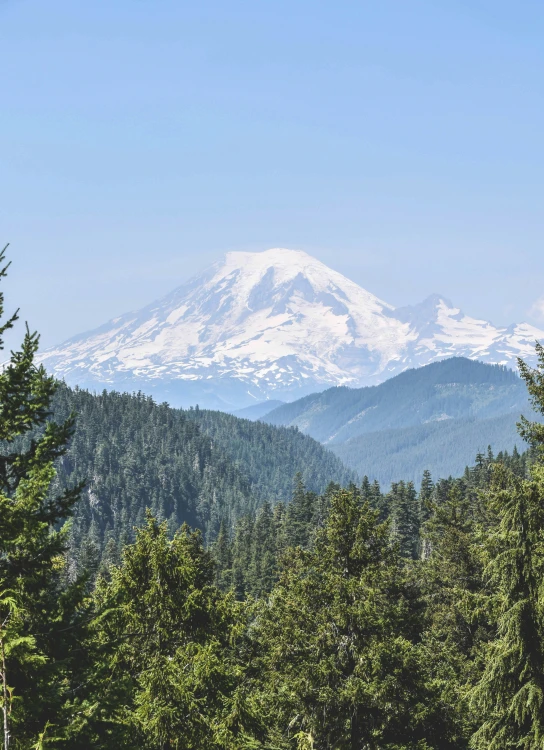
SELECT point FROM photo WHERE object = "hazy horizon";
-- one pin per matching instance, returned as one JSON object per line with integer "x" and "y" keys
{"x": 399, "y": 145}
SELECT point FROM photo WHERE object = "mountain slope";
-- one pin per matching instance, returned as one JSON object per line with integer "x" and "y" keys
{"x": 455, "y": 388}
{"x": 200, "y": 467}
{"x": 436, "y": 417}
{"x": 276, "y": 324}
{"x": 445, "y": 448}
{"x": 271, "y": 456}
{"x": 258, "y": 411}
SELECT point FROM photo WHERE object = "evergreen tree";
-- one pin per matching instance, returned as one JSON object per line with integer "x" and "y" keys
{"x": 510, "y": 693}
{"x": 222, "y": 554}
{"x": 452, "y": 586}
{"x": 40, "y": 619}
{"x": 425, "y": 495}
{"x": 404, "y": 512}
{"x": 340, "y": 665}
{"x": 262, "y": 571}
{"x": 533, "y": 432}
{"x": 300, "y": 513}
{"x": 170, "y": 673}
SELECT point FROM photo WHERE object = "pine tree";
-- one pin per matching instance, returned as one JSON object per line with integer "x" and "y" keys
{"x": 300, "y": 513}
{"x": 39, "y": 620}
{"x": 340, "y": 667}
{"x": 262, "y": 571}
{"x": 169, "y": 673}
{"x": 222, "y": 554}
{"x": 405, "y": 515}
{"x": 425, "y": 495}
{"x": 510, "y": 693}
{"x": 533, "y": 432}
{"x": 451, "y": 575}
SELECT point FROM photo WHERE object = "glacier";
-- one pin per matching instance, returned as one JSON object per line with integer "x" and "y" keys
{"x": 277, "y": 324}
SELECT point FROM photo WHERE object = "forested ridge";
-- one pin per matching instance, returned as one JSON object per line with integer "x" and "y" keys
{"x": 199, "y": 467}
{"x": 351, "y": 618}
{"x": 435, "y": 417}
{"x": 447, "y": 446}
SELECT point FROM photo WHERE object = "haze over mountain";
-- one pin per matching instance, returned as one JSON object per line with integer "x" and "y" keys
{"x": 436, "y": 417}
{"x": 277, "y": 324}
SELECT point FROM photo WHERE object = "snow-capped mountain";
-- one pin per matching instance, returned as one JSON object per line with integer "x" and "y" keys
{"x": 275, "y": 324}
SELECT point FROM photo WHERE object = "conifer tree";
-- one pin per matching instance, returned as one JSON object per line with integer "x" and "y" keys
{"x": 451, "y": 574}
{"x": 425, "y": 495}
{"x": 300, "y": 512}
{"x": 170, "y": 673}
{"x": 533, "y": 432}
{"x": 405, "y": 517}
{"x": 510, "y": 693}
{"x": 39, "y": 620}
{"x": 340, "y": 666}
{"x": 222, "y": 554}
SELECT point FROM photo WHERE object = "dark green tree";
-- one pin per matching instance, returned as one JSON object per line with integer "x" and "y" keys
{"x": 533, "y": 432}
{"x": 452, "y": 587}
{"x": 340, "y": 664}
{"x": 40, "y": 618}
{"x": 404, "y": 512}
{"x": 168, "y": 671}
{"x": 510, "y": 693}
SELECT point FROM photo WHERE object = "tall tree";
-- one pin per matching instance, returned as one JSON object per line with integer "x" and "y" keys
{"x": 340, "y": 665}
{"x": 39, "y": 617}
{"x": 170, "y": 673}
{"x": 510, "y": 693}
{"x": 533, "y": 432}
{"x": 451, "y": 575}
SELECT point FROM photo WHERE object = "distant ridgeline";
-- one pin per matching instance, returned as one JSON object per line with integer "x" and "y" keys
{"x": 436, "y": 417}
{"x": 216, "y": 471}
{"x": 203, "y": 468}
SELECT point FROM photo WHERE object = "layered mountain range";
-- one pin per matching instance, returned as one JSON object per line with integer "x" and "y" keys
{"x": 436, "y": 417}
{"x": 277, "y": 324}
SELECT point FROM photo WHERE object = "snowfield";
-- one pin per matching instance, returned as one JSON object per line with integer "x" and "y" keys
{"x": 275, "y": 324}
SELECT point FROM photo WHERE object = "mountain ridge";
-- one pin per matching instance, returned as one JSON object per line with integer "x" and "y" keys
{"x": 436, "y": 417}
{"x": 277, "y": 324}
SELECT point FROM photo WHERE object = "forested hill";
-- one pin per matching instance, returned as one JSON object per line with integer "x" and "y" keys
{"x": 271, "y": 456}
{"x": 456, "y": 388}
{"x": 437, "y": 417}
{"x": 201, "y": 467}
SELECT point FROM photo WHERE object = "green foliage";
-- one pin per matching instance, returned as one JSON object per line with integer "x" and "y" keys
{"x": 510, "y": 693}
{"x": 202, "y": 468}
{"x": 533, "y": 432}
{"x": 445, "y": 447}
{"x": 319, "y": 617}
{"x": 338, "y": 640}
{"x": 455, "y": 388}
{"x": 170, "y": 647}
{"x": 271, "y": 456}
{"x": 41, "y": 617}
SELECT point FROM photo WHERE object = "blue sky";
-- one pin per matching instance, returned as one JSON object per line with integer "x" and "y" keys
{"x": 398, "y": 141}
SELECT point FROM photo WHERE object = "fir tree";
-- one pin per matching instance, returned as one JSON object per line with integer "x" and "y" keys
{"x": 510, "y": 693}
{"x": 169, "y": 673}
{"x": 533, "y": 432}
{"x": 405, "y": 517}
{"x": 425, "y": 495}
{"x": 39, "y": 621}
{"x": 340, "y": 665}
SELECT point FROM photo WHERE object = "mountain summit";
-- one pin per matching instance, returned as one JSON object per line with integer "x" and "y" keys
{"x": 275, "y": 324}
